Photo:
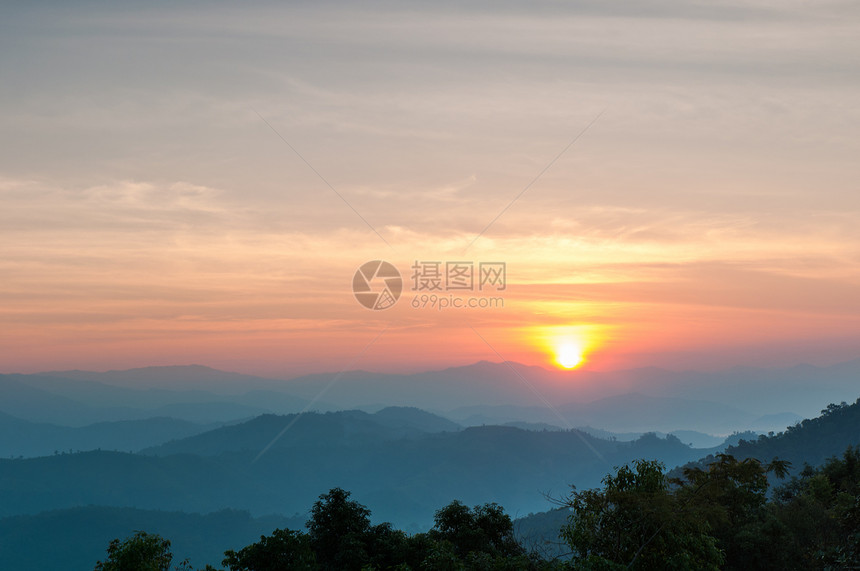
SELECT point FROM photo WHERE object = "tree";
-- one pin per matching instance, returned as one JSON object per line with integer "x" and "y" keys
{"x": 140, "y": 552}
{"x": 635, "y": 521}
{"x": 478, "y": 538}
{"x": 731, "y": 498}
{"x": 821, "y": 509}
{"x": 340, "y": 536}
{"x": 338, "y": 531}
{"x": 284, "y": 550}
{"x": 484, "y": 529}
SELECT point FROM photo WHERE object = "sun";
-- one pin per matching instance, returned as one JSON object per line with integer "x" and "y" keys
{"x": 567, "y": 346}
{"x": 569, "y": 355}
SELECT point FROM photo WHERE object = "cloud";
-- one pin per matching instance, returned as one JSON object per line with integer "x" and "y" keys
{"x": 140, "y": 189}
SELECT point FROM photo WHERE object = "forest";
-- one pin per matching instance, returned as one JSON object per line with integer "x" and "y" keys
{"x": 725, "y": 516}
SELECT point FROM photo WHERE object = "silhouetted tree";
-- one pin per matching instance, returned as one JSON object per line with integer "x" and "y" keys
{"x": 821, "y": 510}
{"x": 338, "y": 531}
{"x": 731, "y": 497}
{"x": 635, "y": 521}
{"x": 284, "y": 550}
{"x": 140, "y": 552}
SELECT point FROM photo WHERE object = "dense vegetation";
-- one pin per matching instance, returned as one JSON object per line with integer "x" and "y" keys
{"x": 720, "y": 517}
{"x": 811, "y": 441}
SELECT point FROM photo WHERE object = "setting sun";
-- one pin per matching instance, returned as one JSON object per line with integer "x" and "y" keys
{"x": 567, "y": 346}
{"x": 569, "y": 355}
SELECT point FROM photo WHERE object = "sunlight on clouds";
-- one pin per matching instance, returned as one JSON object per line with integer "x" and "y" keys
{"x": 150, "y": 209}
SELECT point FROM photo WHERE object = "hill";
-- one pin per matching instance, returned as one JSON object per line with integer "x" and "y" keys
{"x": 78, "y": 402}
{"x": 345, "y": 428}
{"x": 811, "y": 441}
{"x": 176, "y": 378}
{"x": 29, "y": 439}
{"x": 403, "y": 480}
{"x": 627, "y": 413}
{"x": 636, "y": 400}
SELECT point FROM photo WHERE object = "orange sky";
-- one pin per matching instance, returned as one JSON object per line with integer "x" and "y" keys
{"x": 149, "y": 215}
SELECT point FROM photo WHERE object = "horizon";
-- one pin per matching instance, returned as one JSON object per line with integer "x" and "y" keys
{"x": 545, "y": 367}
{"x": 802, "y": 390}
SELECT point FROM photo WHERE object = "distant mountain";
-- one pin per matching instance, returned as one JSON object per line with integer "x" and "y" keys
{"x": 630, "y": 412}
{"x": 74, "y": 539}
{"x": 208, "y": 412}
{"x": 691, "y": 437}
{"x": 175, "y": 378}
{"x": 406, "y": 418}
{"x": 20, "y": 399}
{"x": 811, "y": 441}
{"x": 402, "y": 480}
{"x": 635, "y": 400}
{"x": 774, "y": 422}
{"x": 799, "y": 389}
{"x": 24, "y": 438}
{"x": 544, "y": 426}
{"x": 75, "y": 402}
{"x": 345, "y": 428}
{"x": 635, "y": 412}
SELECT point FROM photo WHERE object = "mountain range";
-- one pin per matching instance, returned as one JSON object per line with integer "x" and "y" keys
{"x": 159, "y": 445}
{"x": 404, "y": 463}
{"x": 637, "y": 400}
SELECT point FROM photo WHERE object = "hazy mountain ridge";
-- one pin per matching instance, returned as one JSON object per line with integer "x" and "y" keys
{"x": 331, "y": 429}
{"x": 758, "y": 399}
{"x": 176, "y": 377}
{"x": 811, "y": 441}
{"x": 403, "y": 469}
{"x": 30, "y": 439}
{"x": 402, "y": 480}
{"x": 761, "y": 391}
{"x": 628, "y": 413}
{"x": 56, "y": 400}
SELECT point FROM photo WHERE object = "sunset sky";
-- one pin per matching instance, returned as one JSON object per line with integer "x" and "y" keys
{"x": 152, "y": 211}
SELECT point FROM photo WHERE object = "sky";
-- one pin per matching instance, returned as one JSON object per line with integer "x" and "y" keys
{"x": 668, "y": 183}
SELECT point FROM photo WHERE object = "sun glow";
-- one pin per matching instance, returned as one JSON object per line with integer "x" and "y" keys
{"x": 569, "y": 354}
{"x": 568, "y": 346}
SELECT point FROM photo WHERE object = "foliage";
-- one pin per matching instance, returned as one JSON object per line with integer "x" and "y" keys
{"x": 484, "y": 529}
{"x": 140, "y": 552}
{"x": 812, "y": 441}
{"x": 731, "y": 498}
{"x": 715, "y": 518}
{"x": 284, "y": 550}
{"x": 635, "y": 521}
{"x": 821, "y": 510}
{"x": 717, "y": 514}
{"x": 340, "y": 536}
